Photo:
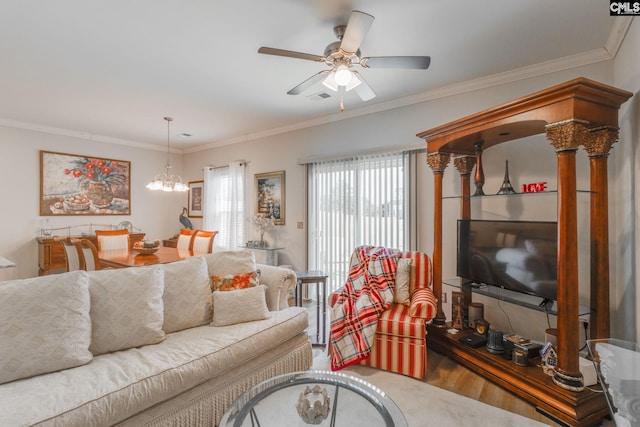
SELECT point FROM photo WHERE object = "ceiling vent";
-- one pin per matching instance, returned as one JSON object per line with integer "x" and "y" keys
{"x": 319, "y": 96}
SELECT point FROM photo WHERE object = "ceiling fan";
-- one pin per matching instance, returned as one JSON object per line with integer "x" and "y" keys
{"x": 341, "y": 55}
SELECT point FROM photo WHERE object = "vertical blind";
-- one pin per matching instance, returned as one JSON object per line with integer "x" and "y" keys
{"x": 352, "y": 202}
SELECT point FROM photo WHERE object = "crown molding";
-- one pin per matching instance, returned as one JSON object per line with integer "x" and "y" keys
{"x": 81, "y": 135}
{"x": 618, "y": 32}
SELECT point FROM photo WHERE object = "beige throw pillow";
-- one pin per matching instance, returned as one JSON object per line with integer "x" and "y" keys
{"x": 403, "y": 281}
{"x": 187, "y": 294}
{"x": 224, "y": 263}
{"x": 126, "y": 308}
{"x": 44, "y": 325}
{"x": 238, "y": 306}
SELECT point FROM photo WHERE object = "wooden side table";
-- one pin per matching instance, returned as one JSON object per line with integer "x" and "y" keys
{"x": 320, "y": 279}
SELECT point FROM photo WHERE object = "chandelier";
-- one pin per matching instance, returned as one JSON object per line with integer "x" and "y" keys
{"x": 165, "y": 181}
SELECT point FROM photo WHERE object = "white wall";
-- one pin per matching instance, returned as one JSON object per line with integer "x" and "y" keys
{"x": 624, "y": 185}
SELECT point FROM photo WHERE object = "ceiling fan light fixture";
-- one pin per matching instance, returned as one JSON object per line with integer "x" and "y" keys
{"x": 343, "y": 75}
{"x": 355, "y": 82}
{"x": 330, "y": 81}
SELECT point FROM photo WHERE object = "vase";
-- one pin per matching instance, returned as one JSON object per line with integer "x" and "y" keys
{"x": 99, "y": 193}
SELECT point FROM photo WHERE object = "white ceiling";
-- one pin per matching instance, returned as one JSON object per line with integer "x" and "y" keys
{"x": 111, "y": 70}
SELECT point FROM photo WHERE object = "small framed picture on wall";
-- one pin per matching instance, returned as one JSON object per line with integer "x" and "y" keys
{"x": 195, "y": 204}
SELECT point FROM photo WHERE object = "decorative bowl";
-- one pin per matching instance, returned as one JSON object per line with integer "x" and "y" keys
{"x": 145, "y": 251}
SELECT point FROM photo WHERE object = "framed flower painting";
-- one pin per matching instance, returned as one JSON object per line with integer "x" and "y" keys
{"x": 83, "y": 185}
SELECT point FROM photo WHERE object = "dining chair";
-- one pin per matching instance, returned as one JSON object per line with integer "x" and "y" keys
{"x": 202, "y": 242}
{"x": 74, "y": 259}
{"x": 185, "y": 238}
{"x": 112, "y": 240}
{"x": 89, "y": 254}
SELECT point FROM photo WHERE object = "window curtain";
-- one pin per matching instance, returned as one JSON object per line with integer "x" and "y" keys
{"x": 224, "y": 205}
{"x": 357, "y": 201}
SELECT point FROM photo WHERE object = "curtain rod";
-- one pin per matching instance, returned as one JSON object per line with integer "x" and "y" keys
{"x": 211, "y": 167}
{"x": 380, "y": 150}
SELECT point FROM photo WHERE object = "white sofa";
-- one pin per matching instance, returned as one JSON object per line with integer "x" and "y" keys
{"x": 137, "y": 347}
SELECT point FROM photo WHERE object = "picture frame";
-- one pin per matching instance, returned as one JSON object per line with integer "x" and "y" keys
{"x": 74, "y": 184}
{"x": 270, "y": 196}
{"x": 195, "y": 202}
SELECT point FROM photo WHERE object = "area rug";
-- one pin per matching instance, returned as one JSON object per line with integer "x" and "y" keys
{"x": 425, "y": 405}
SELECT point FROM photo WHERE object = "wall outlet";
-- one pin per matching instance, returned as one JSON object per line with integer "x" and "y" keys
{"x": 444, "y": 297}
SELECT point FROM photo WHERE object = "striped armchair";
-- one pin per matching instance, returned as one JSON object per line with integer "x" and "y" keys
{"x": 400, "y": 340}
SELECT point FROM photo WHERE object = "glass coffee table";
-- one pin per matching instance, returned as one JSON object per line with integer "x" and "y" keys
{"x": 319, "y": 398}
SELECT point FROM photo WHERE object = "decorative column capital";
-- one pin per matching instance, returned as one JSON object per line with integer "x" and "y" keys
{"x": 600, "y": 140}
{"x": 464, "y": 164}
{"x": 438, "y": 161}
{"x": 567, "y": 135}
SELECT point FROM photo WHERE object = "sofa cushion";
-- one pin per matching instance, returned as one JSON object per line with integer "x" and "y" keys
{"x": 396, "y": 321}
{"x": 238, "y": 306}
{"x": 117, "y": 385}
{"x": 44, "y": 325}
{"x": 126, "y": 308}
{"x": 403, "y": 281}
{"x": 187, "y": 294}
{"x": 235, "y": 281}
{"x": 224, "y": 263}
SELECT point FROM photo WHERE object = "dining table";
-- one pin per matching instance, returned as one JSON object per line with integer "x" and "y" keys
{"x": 119, "y": 258}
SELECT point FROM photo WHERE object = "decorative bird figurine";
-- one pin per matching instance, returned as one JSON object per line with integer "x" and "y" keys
{"x": 184, "y": 220}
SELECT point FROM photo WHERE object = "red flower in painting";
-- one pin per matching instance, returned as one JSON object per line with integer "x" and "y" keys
{"x": 109, "y": 172}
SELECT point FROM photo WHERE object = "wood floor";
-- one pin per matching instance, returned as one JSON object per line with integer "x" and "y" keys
{"x": 445, "y": 373}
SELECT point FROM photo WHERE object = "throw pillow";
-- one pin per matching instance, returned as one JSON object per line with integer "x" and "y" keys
{"x": 224, "y": 263}
{"x": 235, "y": 281}
{"x": 403, "y": 281}
{"x": 187, "y": 294}
{"x": 44, "y": 325}
{"x": 238, "y": 306}
{"x": 126, "y": 308}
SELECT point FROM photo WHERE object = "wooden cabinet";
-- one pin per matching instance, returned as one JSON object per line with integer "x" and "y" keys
{"x": 51, "y": 253}
{"x": 578, "y": 113}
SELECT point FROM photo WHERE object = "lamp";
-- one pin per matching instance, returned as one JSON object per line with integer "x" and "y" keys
{"x": 165, "y": 181}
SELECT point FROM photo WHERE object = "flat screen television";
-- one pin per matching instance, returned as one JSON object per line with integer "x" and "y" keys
{"x": 519, "y": 256}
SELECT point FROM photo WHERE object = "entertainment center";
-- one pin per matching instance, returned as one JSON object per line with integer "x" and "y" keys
{"x": 580, "y": 112}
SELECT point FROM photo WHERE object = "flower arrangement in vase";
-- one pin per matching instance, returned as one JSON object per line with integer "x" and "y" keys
{"x": 262, "y": 224}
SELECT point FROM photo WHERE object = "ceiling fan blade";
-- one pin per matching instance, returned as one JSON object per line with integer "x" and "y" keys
{"x": 290, "y": 54}
{"x": 412, "y": 62}
{"x": 308, "y": 83}
{"x": 357, "y": 27}
{"x": 363, "y": 90}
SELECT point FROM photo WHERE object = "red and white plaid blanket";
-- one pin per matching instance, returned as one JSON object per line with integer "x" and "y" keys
{"x": 367, "y": 293}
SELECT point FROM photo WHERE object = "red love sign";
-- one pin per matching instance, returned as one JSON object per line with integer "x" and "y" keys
{"x": 534, "y": 187}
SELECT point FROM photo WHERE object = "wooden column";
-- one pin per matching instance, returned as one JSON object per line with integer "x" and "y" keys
{"x": 464, "y": 165}
{"x": 566, "y": 136}
{"x": 438, "y": 163}
{"x": 598, "y": 144}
